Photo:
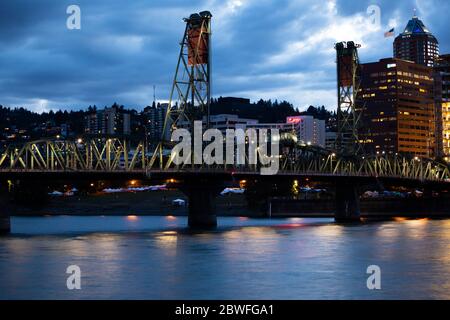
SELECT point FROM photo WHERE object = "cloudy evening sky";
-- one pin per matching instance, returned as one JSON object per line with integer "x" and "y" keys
{"x": 271, "y": 49}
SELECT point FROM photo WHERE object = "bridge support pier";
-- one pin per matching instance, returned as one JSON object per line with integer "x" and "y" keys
{"x": 347, "y": 202}
{"x": 5, "y": 224}
{"x": 5, "y": 219}
{"x": 201, "y": 193}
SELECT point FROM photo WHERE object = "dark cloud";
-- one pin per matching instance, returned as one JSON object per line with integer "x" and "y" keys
{"x": 124, "y": 48}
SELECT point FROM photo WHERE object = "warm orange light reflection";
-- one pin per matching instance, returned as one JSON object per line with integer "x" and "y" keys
{"x": 168, "y": 240}
{"x": 171, "y": 218}
{"x": 132, "y": 218}
{"x": 399, "y": 219}
{"x": 243, "y": 184}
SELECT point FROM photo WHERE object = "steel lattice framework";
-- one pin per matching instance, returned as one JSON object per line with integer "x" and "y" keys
{"x": 348, "y": 114}
{"x": 190, "y": 97}
{"x": 56, "y": 155}
{"x": 115, "y": 155}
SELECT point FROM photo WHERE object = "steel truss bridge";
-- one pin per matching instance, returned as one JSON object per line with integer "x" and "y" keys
{"x": 190, "y": 97}
{"x": 112, "y": 155}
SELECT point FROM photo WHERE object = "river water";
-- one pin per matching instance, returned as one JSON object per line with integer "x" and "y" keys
{"x": 158, "y": 258}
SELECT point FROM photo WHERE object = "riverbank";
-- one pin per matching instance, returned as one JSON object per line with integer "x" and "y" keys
{"x": 370, "y": 208}
{"x": 145, "y": 203}
{"x": 157, "y": 203}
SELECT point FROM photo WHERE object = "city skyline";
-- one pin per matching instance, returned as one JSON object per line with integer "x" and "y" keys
{"x": 117, "y": 54}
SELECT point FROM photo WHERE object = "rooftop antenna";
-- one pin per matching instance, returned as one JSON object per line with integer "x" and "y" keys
{"x": 415, "y": 13}
{"x": 154, "y": 94}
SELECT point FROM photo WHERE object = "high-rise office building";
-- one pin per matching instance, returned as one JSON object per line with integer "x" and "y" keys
{"x": 416, "y": 43}
{"x": 108, "y": 121}
{"x": 309, "y": 130}
{"x": 419, "y": 45}
{"x": 442, "y": 96}
{"x": 397, "y": 100}
{"x": 154, "y": 117}
{"x": 304, "y": 129}
{"x": 115, "y": 121}
{"x": 91, "y": 120}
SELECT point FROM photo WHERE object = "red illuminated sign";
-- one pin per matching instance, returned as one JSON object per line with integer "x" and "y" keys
{"x": 293, "y": 120}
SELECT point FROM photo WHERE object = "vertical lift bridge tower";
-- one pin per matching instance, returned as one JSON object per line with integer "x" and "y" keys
{"x": 190, "y": 100}
{"x": 348, "y": 143}
{"x": 348, "y": 113}
{"x": 190, "y": 97}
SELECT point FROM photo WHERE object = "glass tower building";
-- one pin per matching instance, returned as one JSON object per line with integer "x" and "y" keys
{"x": 417, "y": 44}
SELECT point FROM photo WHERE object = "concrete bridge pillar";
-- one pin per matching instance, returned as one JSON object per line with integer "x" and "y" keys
{"x": 5, "y": 218}
{"x": 201, "y": 193}
{"x": 347, "y": 202}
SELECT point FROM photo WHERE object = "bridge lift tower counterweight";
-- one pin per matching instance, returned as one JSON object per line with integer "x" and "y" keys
{"x": 190, "y": 97}
{"x": 348, "y": 113}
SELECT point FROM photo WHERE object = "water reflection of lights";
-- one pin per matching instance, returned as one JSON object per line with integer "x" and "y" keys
{"x": 167, "y": 239}
{"x": 293, "y": 223}
{"x": 290, "y": 226}
{"x": 389, "y": 232}
{"x": 328, "y": 231}
{"x": 169, "y": 233}
{"x": 418, "y": 222}
{"x": 446, "y": 226}
{"x": 250, "y": 232}
{"x": 413, "y": 221}
{"x": 132, "y": 218}
{"x": 251, "y": 242}
{"x": 417, "y": 228}
{"x": 170, "y": 217}
{"x": 20, "y": 247}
